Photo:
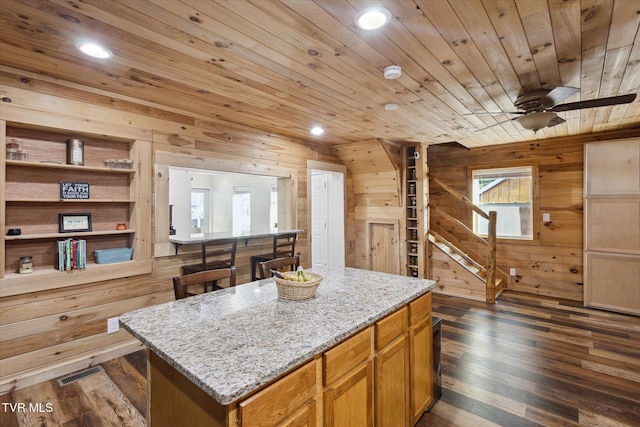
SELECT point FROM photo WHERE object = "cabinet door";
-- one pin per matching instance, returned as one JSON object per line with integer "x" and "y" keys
{"x": 391, "y": 385}
{"x": 349, "y": 402}
{"x": 421, "y": 363}
{"x": 280, "y": 402}
{"x": 612, "y": 167}
{"x": 613, "y": 282}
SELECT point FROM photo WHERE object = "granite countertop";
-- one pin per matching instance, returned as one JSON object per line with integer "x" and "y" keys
{"x": 233, "y": 341}
{"x": 187, "y": 239}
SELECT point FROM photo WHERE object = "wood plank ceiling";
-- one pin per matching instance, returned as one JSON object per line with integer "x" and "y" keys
{"x": 284, "y": 66}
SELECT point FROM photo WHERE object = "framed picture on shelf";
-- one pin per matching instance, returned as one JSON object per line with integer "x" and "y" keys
{"x": 74, "y": 222}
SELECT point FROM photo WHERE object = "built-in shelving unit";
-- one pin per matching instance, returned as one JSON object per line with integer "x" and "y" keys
{"x": 415, "y": 208}
{"x": 31, "y": 201}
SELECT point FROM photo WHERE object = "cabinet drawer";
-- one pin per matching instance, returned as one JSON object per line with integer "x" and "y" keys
{"x": 346, "y": 356}
{"x": 420, "y": 308}
{"x": 391, "y": 327}
{"x": 272, "y": 404}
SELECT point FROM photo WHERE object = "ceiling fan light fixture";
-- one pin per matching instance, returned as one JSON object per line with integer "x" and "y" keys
{"x": 535, "y": 121}
{"x": 372, "y": 18}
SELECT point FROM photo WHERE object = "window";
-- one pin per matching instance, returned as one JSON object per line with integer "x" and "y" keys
{"x": 241, "y": 210}
{"x": 199, "y": 210}
{"x": 273, "y": 206}
{"x": 509, "y": 192}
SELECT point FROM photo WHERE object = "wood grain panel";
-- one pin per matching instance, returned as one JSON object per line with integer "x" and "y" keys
{"x": 283, "y": 397}
{"x": 551, "y": 264}
{"x": 346, "y": 356}
{"x": 391, "y": 327}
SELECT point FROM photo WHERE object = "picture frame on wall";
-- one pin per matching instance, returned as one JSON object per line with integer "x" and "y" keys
{"x": 74, "y": 222}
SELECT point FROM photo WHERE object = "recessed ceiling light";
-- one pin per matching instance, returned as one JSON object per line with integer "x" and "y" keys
{"x": 94, "y": 50}
{"x": 372, "y": 18}
{"x": 317, "y": 131}
{"x": 391, "y": 106}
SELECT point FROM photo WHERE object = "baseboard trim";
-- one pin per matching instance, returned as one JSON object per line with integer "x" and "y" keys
{"x": 70, "y": 365}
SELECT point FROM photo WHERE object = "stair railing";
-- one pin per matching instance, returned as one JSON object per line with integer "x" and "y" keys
{"x": 489, "y": 242}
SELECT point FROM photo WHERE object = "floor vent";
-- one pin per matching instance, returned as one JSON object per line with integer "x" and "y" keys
{"x": 79, "y": 375}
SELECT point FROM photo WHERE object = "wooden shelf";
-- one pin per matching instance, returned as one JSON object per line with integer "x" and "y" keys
{"x": 23, "y": 200}
{"x": 50, "y": 165}
{"x": 69, "y": 235}
{"x": 49, "y": 278}
{"x": 413, "y": 193}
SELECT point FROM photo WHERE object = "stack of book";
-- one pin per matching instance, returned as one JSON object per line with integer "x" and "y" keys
{"x": 72, "y": 254}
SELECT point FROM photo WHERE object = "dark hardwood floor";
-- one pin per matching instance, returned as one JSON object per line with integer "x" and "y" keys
{"x": 530, "y": 361}
{"x": 526, "y": 361}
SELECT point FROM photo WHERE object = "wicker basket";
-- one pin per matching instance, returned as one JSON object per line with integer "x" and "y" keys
{"x": 288, "y": 289}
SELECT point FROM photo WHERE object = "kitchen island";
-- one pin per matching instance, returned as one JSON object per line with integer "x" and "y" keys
{"x": 242, "y": 356}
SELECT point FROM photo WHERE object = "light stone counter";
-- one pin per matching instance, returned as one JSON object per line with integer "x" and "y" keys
{"x": 231, "y": 342}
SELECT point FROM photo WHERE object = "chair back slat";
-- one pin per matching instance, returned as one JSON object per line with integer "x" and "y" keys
{"x": 265, "y": 267}
{"x": 219, "y": 253}
{"x": 284, "y": 245}
{"x": 181, "y": 284}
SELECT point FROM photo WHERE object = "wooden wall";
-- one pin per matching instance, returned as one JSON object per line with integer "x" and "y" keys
{"x": 551, "y": 264}
{"x": 47, "y": 334}
{"x": 376, "y": 189}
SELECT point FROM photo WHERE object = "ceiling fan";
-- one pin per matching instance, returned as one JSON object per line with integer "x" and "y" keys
{"x": 537, "y": 109}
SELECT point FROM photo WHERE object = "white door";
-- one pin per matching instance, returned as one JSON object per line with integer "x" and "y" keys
{"x": 327, "y": 218}
{"x": 319, "y": 248}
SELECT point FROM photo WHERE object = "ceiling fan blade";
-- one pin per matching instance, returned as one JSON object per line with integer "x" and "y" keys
{"x": 556, "y": 121}
{"x": 494, "y": 113}
{"x": 495, "y": 124}
{"x": 591, "y": 103}
{"x": 557, "y": 95}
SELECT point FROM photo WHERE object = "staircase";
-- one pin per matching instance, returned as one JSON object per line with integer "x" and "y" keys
{"x": 465, "y": 277}
{"x": 456, "y": 271}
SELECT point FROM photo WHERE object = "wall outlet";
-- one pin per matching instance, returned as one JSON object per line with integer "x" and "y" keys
{"x": 512, "y": 271}
{"x": 546, "y": 217}
{"x": 113, "y": 325}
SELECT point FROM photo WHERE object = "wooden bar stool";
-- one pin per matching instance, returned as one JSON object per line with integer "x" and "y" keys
{"x": 284, "y": 245}
{"x": 277, "y": 264}
{"x": 215, "y": 254}
{"x": 202, "y": 278}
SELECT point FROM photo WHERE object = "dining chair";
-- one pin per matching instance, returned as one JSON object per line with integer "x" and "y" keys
{"x": 220, "y": 253}
{"x": 181, "y": 284}
{"x": 265, "y": 267}
{"x": 284, "y": 245}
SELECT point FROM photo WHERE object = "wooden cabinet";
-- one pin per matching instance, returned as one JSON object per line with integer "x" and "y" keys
{"x": 392, "y": 371}
{"x": 348, "y": 381}
{"x": 415, "y": 199}
{"x": 388, "y": 363}
{"x": 421, "y": 356}
{"x": 612, "y": 225}
{"x": 31, "y": 201}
